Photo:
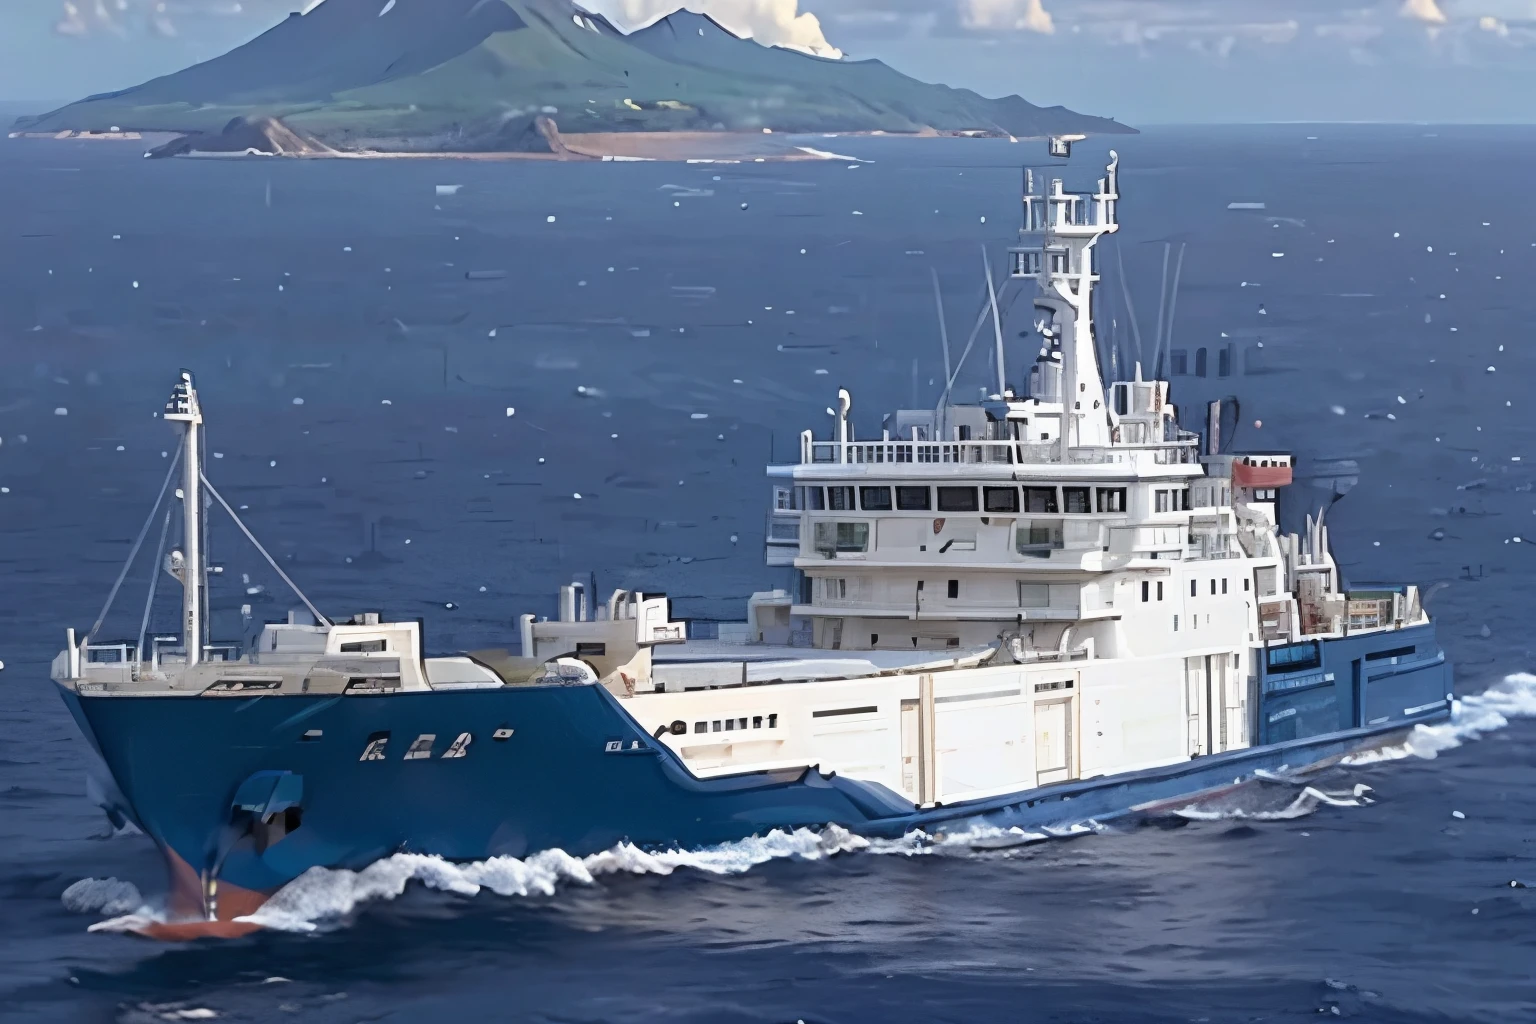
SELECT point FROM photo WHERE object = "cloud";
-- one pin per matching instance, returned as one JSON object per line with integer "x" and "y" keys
{"x": 1025, "y": 15}
{"x": 1353, "y": 33}
{"x": 770, "y": 22}
{"x": 71, "y": 24}
{"x": 1427, "y": 11}
{"x": 131, "y": 19}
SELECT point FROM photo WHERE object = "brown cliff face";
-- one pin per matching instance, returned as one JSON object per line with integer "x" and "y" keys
{"x": 264, "y": 135}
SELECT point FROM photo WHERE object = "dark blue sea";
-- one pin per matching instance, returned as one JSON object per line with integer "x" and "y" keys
{"x": 407, "y": 438}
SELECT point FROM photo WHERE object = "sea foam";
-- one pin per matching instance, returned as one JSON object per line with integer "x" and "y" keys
{"x": 322, "y": 894}
{"x": 1471, "y": 717}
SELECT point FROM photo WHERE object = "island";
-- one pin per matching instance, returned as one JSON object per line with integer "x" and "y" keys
{"x": 536, "y": 77}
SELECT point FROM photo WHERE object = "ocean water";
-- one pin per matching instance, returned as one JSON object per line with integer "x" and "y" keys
{"x": 668, "y": 332}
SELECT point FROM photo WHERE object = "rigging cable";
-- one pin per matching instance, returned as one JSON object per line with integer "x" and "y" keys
{"x": 270, "y": 560}
{"x": 134, "y": 551}
{"x": 154, "y": 580}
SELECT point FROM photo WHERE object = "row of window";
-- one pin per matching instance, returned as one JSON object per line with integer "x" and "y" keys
{"x": 1194, "y": 588}
{"x": 1031, "y": 595}
{"x": 1000, "y": 500}
{"x": 1030, "y": 538}
{"x": 1029, "y": 262}
{"x": 1175, "y": 500}
{"x": 733, "y": 724}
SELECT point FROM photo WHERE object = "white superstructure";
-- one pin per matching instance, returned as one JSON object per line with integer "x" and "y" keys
{"x": 1052, "y": 583}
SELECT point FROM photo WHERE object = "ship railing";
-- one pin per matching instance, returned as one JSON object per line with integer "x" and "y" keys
{"x": 1182, "y": 451}
{"x": 121, "y": 653}
{"x": 1063, "y": 210}
{"x": 111, "y": 653}
{"x": 939, "y": 609}
{"x": 1211, "y": 549}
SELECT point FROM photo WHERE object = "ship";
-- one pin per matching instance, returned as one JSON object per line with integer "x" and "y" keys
{"x": 1011, "y": 618}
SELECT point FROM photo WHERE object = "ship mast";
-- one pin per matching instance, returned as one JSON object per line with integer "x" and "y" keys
{"x": 1057, "y": 250}
{"x": 184, "y": 407}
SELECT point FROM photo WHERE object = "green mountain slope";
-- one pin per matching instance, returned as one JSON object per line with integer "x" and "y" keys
{"x": 474, "y": 74}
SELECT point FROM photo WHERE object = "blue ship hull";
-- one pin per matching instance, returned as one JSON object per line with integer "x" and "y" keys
{"x": 255, "y": 791}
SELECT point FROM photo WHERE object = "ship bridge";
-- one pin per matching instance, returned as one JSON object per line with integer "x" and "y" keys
{"x": 1070, "y": 518}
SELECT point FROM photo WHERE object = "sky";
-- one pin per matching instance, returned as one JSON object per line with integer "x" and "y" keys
{"x": 1141, "y": 61}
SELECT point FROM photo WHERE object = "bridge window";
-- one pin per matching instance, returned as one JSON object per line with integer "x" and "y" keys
{"x": 875, "y": 499}
{"x": 954, "y": 590}
{"x": 838, "y": 537}
{"x": 1076, "y": 500}
{"x": 1394, "y": 653}
{"x": 1294, "y": 657}
{"x": 365, "y": 647}
{"x": 1161, "y": 501}
{"x": 1038, "y": 540}
{"x": 812, "y": 498}
{"x": 840, "y": 499}
{"x": 1040, "y": 499}
{"x": 957, "y": 499}
{"x": 1001, "y": 499}
{"x": 914, "y": 499}
{"x": 1111, "y": 499}
{"x": 1026, "y": 263}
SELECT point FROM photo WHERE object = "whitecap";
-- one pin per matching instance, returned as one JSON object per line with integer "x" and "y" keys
{"x": 1304, "y": 803}
{"x": 325, "y": 894}
{"x": 822, "y": 154}
{"x": 1471, "y": 717}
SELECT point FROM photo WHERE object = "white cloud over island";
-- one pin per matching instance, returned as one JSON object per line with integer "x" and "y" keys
{"x": 770, "y": 22}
